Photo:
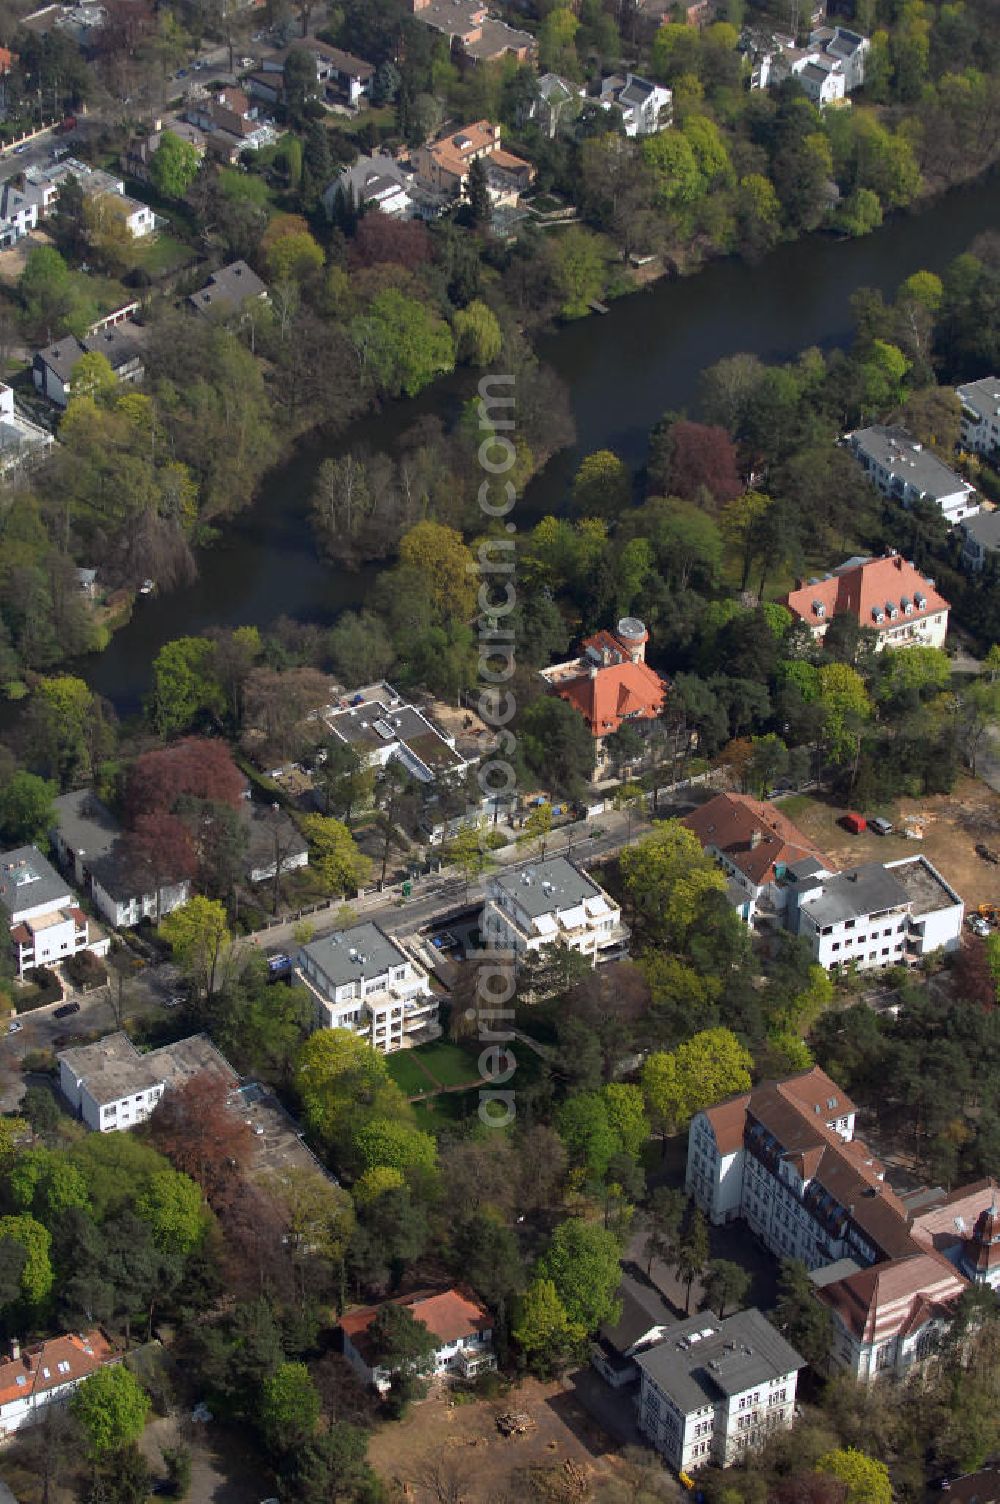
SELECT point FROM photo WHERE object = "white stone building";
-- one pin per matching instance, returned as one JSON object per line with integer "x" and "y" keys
{"x": 45, "y": 922}
{"x": 715, "y": 1390}
{"x": 903, "y": 470}
{"x": 646, "y": 107}
{"x": 87, "y": 840}
{"x": 783, "y": 1157}
{"x": 552, "y": 902}
{"x": 876, "y": 915}
{"x": 361, "y": 979}
{"x": 112, "y": 1085}
{"x": 980, "y": 414}
{"x": 887, "y": 596}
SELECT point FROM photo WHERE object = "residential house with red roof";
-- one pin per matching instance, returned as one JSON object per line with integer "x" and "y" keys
{"x": 45, "y": 922}
{"x": 888, "y": 596}
{"x": 610, "y": 683}
{"x": 890, "y": 1268}
{"x": 462, "y": 1329}
{"x": 43, "y": 1373}
{"x": 758, "y": 847}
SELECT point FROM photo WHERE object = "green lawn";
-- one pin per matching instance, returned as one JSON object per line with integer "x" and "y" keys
{"x": 408, "y": 1074}
{"x": 162, "y": 254}
{"x": 449, "y": 1064}
{"x": 446, "y": 1109}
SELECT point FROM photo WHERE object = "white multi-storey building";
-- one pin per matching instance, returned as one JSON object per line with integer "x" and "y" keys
{"x": 714, "y": 1390}
{"x": 112, "y": 1085}
{"x": 784, "y": 1158}
{"x": 902, "y": 469}
{"x": 363, "y": 980}
{"x": 45, "y": 922}
{"x": 876, "y": 915}
{"x": 552, "y": 903}
{"x": 888, "y": 597}
{"x": 980, "y": 414}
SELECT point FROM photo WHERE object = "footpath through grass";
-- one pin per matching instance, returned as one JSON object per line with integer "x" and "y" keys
{"x": 432, "y": 1068}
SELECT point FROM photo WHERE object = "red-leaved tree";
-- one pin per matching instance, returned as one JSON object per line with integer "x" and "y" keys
{"x": 201, "y": 1135}
{"x": 156, "y": 852}
{"x": 700, "y": 457}
{"x": 200, "y": 767}
{"x": 381, "y": 237}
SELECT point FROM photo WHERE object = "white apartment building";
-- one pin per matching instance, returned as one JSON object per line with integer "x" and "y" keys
{"x": 552, "y": 902}
{"x": 714, "y": 1390}
{"x": 112, "y": 1085}
{"x": 45, "y": 922}
{"x": 876, "y": 915}
{"x": 980, "y": 414}
{"x": 646, "y": 107}
{"x": 44, "y": 1373}
{"x": 363, "y": 980}
{"x": 902, "y": 469}
{"x": 783, "y": 1157}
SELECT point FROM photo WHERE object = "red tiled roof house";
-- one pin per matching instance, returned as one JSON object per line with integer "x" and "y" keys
{"x": 759, "y": 849}
{"x": 461, "y": 1327}
{"x": 46, "y": 1372}
{"x": 610, "y": 682}
{"x": 889, "y": 596}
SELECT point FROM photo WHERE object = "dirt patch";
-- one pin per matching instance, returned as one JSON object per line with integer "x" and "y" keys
{"x": 222, "y": 1470}
{"x": 465, "y": 1439}
{"x": 952, "y": 825}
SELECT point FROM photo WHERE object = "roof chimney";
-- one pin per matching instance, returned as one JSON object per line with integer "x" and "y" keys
{"x": 15, "y": 1349}
{"x": 756, "y": 837}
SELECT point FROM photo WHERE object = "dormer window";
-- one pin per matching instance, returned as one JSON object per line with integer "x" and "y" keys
{"x": 819, "y": 609}
{"x": 907, "y": 605}
{"x": 878, "y": 615}
{"x": 919, "y": 600}
{"x": 891, "y": 610}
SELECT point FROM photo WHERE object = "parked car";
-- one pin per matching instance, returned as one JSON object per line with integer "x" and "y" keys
{"x": 986, "y": 853}
{"x": 880, "y": 827}
{"x": 15, "y": 1026}
{"x": 66, "y": 1010}
{"x": 856, "y": 824}
{"x": 978, "y": 925}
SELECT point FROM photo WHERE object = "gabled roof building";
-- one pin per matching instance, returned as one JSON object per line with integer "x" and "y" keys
{"x": 461, "y": 1327}
{"x": 757, "y": 845}
{"x": 783, "y": 1158}
{"x": 888, "y": 596}
{"x": 39, "y": 1374}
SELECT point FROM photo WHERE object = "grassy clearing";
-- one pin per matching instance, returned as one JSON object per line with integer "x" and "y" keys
{"x": 161, "y": 255}
{"x": 408, "y": 1074}
{"x": 449, "y": 1064}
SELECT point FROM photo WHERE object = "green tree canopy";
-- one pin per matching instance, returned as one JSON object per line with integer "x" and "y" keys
{"x": 173, "y": 166}
{"x": 111, "y": 1406}
{"x": 582, "y": 1261}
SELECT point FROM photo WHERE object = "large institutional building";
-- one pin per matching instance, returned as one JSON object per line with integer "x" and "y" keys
{"x": 783, "y": 1158}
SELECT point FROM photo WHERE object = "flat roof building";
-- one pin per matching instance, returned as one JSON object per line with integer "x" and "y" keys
{"x": 111, "y": 1084}
{"x": 552, "y": 902}
{"x": 363, "y": 980}
{"x": 904, "y": 470}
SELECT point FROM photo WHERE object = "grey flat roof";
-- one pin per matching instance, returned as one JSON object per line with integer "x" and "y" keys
{"x": 86, "y": 824}
{"x": 851, "y": 895}
{"x": 984, "y": 527}
{"x": 830, "y": 1274}
{"x": 113, "y": 1068}
{"x": 373, "y": 954}
{"x": 731, "y": 1356}
{"x": 546, "y": 886}
{"x": 27, "y": 879}
{"x": 900, "y": 454}
{"x": 982, "y": 396}
{"x": 927, "y": 889}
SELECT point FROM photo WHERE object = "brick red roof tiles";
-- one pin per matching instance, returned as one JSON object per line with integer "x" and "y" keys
{"x": 447, "y": 1314}
{"x": 755, "y": 836}
{"x": 857, "y": 591}
{"x": 607, "y": 696}
{"x": 38, "y": 1366}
